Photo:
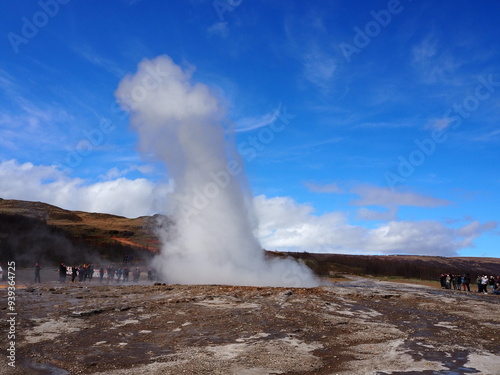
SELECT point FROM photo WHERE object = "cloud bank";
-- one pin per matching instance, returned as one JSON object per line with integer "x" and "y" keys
{"x": 288, "y": 225}
{"x": 49, "y": 184}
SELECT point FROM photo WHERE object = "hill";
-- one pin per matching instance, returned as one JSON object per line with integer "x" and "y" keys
{"x": 31, "y": 231}
{"x": 36, "y": 231}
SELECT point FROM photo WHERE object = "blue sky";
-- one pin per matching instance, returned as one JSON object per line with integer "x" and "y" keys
{"x": 366, "y": 128}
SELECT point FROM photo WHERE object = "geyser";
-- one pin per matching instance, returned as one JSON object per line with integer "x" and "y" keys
{"x": 213, "y": 239}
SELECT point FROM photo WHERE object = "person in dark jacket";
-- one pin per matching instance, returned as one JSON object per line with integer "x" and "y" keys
{"x": 38, "y": 268}
{"x": 62, "y": 272}
{"x": 74, "y": 273}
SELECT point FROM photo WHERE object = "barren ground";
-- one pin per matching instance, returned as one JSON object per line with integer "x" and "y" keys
{"x": 359, "y": 326}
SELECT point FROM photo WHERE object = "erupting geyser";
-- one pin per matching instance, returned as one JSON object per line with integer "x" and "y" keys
{"x": 213, "y": 240}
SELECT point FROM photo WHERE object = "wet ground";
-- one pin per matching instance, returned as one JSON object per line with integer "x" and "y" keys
{"x": 360, "y": 326}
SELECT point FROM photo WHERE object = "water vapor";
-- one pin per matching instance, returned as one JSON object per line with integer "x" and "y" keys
{"x": 212, "y": 240}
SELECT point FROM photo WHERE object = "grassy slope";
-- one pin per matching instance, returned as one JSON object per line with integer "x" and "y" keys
{"x": 31, "y": 231}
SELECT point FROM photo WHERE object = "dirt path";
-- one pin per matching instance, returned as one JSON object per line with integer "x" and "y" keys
{"x": 359, "y": 326}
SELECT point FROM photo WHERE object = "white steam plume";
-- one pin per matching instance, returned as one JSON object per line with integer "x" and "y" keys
{"x": 213, "y": 240}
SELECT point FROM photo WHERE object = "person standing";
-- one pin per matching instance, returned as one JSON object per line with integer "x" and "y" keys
{"x": 442, "y": 280}
{"x": 101, "y": 274}
{"x": 136, "y": 274}
{"x": 38, "y": 267}
{"x": 74, "y": 273}
{"x": 491, "y": 281}
{"x": 126, "y": 271}
{"x": 85, "y": 272}
{"x": 91, "y": 272}
{"x": 466, "y": 282}
{"x": 118, "y": 275}
{"x": 448, "y": 281}
{"x": 111, "y": 274}
{"x": 479, "y": 285}
{"x": 497, "y": 289}
{"x": 484, "y": 284}
{"x": 62, "y": 272}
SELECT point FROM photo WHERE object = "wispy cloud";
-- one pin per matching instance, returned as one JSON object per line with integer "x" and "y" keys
{"x": 434, "y": 63}
{"x": 386, "y": 124}
{"x": 317, "y": 60}
{"x": 387, "y": 215}
{"x": 386, "y": 197}
{"x": 31, "y": 125}
{"x": 219, "y": 29}
{"x": 370, "y": 195}
{"x": 328, "y": 188}
{"x": 7, "y": 82}
{"x": 438, "y": 123}
{"x": 87, "y": 53}
{"x": 492, "y": 136}
{"x": 319, "y": 67}
{"x": 251, "y": 123}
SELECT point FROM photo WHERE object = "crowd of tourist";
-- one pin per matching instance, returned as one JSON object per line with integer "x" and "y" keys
{"x": 462, "y": 282}
{"x": 107, "y": 274}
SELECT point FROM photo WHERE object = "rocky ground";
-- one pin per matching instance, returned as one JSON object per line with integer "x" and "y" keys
{"x": 357, "y": 326}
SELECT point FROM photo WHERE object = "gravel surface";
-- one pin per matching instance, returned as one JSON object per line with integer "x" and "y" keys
{"x": 360, "y": 326}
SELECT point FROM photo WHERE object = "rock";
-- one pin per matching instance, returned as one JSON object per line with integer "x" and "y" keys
{"x": 86, "y": 313}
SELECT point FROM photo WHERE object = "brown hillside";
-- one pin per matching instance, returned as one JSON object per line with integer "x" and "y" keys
{"x": 38, "y": 232}
{"x": 96, "y": 226}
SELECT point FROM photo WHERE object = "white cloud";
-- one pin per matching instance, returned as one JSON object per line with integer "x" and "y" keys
{"x": 115, "y": 172}
{"x": 121, "y": 196}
